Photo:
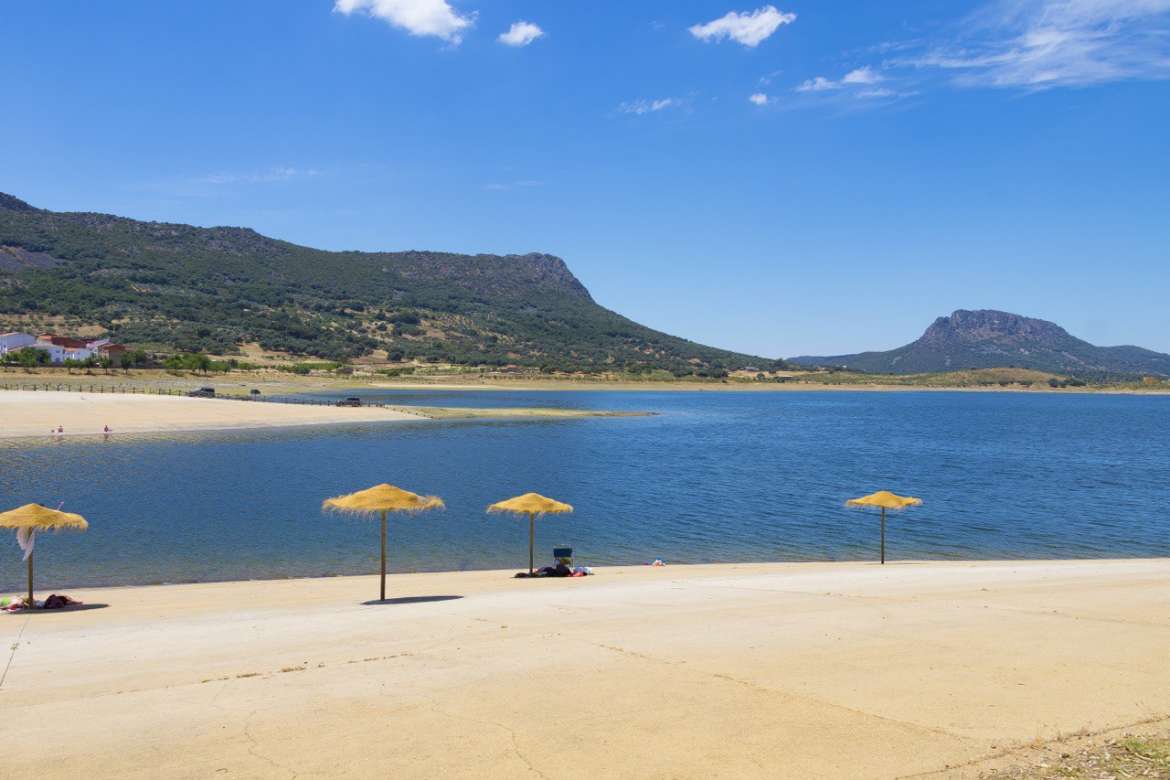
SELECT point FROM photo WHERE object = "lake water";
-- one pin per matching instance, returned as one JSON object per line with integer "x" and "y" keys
{"x": 712, "y": 477}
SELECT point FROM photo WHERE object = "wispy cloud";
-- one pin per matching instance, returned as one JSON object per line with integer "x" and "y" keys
{"x": 750, "y": 29}
{"x": 1042, "y": 44}
{"x": 513, "y": 185}
{"x": 643, "y": 106}
{"x": 276, "y": 174}
{"x": 520, "y": 34}
{"x": 433, "y": 18}
{"x": 759, "y": 99}
{"x": 858, "y": 77}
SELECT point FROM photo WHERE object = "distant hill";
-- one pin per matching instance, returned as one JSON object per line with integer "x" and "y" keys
{"x": 996, "y": 339}
{"x": 178, "y": 287}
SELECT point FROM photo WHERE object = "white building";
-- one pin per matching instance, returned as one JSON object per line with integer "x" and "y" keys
{"x": 58, "y": 352}
{"x": 14, "y": 342}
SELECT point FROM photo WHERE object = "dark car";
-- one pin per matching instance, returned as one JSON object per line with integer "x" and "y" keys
{"x": 353, "y": 400}
{"x": 203, "y": 392}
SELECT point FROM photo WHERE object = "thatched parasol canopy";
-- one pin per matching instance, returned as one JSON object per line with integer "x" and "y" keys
{"x": 883, "y": 500}
{"x": 531, "y": 504}
{"x": 379, "y": 500}
{"x": 382, "y": 498}
{"x": 41, "y": 518}
{"x": 29, "y": 519}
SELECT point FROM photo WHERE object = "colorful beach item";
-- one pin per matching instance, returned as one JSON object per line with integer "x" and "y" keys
{"x": 533, "y": 505}
{"x": 884, "y": 499}
{"x": 382, "y": 499}
{"x": 31, "y": 518}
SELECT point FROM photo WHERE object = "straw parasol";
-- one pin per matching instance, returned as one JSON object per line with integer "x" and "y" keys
{"x": 31, "y": 518}
{"x": 531, "y": 504}
{"x": 884, "y": 499}
{"x": 382, "y": 499}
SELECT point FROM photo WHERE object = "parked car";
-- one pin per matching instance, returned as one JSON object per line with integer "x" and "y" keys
{"x": 353, "y": 400}
{"x": 203, "y": 392}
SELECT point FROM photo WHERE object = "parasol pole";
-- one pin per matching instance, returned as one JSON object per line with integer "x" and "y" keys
{"x": 30, "y": 587}
{"x": 531, "y": 541}
{"x": 383, "y": 598}
{"x": 883, "y": 535}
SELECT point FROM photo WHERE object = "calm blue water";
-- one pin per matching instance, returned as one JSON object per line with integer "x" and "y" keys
{"x": 713, "y": 477}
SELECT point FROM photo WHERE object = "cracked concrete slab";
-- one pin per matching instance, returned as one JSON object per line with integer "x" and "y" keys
{"x": 762, "y": 670}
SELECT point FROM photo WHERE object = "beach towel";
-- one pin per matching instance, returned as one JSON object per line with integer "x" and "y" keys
{"x": 26, "y": 538}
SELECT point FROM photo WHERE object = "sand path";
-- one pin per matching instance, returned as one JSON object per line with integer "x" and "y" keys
{"x": 778, "y": 670}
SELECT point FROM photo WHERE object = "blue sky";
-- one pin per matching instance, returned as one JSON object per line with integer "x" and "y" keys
{"x": 805, "y": 177}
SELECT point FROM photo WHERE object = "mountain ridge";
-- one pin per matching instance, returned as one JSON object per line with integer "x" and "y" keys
{"x": 987, "y": 338}
{"x": 181, "y": 287}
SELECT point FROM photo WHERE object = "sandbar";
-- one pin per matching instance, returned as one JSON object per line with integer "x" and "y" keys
{"x": 26, "y": 413}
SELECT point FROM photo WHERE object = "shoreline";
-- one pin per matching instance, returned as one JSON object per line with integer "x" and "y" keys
{"x": 732, "y": 670}
{"x": 35, "y": 415}
{"x": 624, "y": 569}
{"x": 239, "y": 382}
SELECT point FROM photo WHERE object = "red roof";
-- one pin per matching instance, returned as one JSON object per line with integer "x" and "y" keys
{"x": 63, "y": 341}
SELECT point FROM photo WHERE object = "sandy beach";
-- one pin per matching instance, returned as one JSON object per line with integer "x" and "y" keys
{"x": 763, "y": 670}
{"x": 35, "y": 414}
{"x": 25, "y": 413}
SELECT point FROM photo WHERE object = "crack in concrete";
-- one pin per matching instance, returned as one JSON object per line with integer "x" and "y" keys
{"x": 501, "y": 726}
{"x": 15, "y": 645}
{"x": 253, "y": 748}
{"x": 764, "y": 690}
{"x": 949, "y": 769}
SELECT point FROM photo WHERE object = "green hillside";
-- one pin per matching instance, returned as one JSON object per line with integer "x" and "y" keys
{"x": 178, "y": 287}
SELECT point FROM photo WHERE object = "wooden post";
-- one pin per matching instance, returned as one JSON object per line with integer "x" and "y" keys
{"x": 531, "y": 541}
{"x": 30, "y": 587}
{"x": 883, "y": 535}
{"x": 383, "y": 597}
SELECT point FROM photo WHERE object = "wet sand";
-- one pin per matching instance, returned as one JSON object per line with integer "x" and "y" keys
{"x": 762, "y": 670}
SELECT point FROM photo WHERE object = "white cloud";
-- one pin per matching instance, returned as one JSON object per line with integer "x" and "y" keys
{"x": 520, "y": 34}
{"x": 1041, "y": 44}
{"x": 819, "y": 84}
{"x": 642, "y": 106}
{"x": 750, "y": 29}
{"x": 435, "y": 18}
{"x": 865, "y": 75}
{"x": 759, "y": 99}
{"x": 276, "y": 174}
{"x": 513, "y": 185}
{"x": 855, "y": 78}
